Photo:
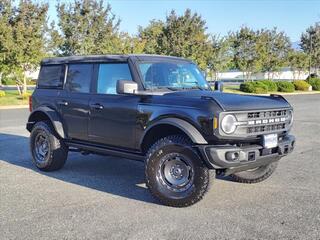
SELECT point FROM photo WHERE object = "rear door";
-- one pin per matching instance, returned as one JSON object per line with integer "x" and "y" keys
{"x": 112, "y": 116}
{"x": 49, "y": 86}
{"x": 75, "y": 100}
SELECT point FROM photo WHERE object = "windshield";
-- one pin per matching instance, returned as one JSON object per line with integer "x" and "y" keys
{"x": 172, "y": 76}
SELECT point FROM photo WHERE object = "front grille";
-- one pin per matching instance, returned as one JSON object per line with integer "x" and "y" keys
{"x": 261, "y": 122}
{"x": 267, "y": 121}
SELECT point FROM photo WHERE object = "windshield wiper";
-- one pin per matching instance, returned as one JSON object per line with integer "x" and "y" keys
{"x": 173, "y": 88}
{"x": 179, "y": 88}
{"x": 169, "y": 88}
{"x": 196, "y": 87}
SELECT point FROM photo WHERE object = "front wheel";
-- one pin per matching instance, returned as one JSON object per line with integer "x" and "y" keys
{"x": 49, "y": 153}
{"x": 175, "y": 173}
{"x": 255, "y": 175}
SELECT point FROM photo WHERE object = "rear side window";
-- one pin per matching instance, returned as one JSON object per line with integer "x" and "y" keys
{"x": 51, "y": 76}
{"x": 109, "y": 74}
{"x": 79, "y": 77}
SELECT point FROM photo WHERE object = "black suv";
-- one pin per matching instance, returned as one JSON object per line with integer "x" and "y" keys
{"x": 159, "y": 110}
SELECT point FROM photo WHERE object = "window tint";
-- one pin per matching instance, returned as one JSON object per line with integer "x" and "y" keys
{"x": 51, "y": 76}
{"x": 109, "y": 74}
{"x": 79, "y": 77}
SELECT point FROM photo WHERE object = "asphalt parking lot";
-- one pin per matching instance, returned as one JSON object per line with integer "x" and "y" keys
{"x": 98, "y": 197}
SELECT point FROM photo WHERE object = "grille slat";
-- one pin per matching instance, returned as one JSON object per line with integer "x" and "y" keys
{"x": 268, "y": 114}
{"x": 266, "y": 128}
{"x": 266, "y": 121}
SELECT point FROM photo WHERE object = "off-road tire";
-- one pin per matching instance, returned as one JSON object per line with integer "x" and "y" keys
{"x": 254, "y": 176}
{"x": 180, "y": 145}
{"x": 57, "y": 153}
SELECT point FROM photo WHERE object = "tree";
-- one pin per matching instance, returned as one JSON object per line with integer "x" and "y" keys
{"x": 298, "y": 62}
{"x": 5, "y": 37}
{"x": 28, "y": 27}
{"x": 244, "y": 47}
{"x": 272, "y": 48}
{"x": 86, "y": 27}
{"x": 219, "y": 55}
{"x": 152, "y": 35}
{"x": 131, "y": 44}
{"x": 182, "y": 36}
{"x": 310, "y": 43}
{"x": 185, "y": 36}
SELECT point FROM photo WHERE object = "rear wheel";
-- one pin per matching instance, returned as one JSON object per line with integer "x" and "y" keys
{"x": 175, "y": 173}
{"x": 255, "y": 175}
{"x": 49, "y": 153}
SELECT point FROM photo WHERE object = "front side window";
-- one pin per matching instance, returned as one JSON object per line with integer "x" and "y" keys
{"x": 79, "y": 77}
{"x": 51, "y": 76}
{"x": 109, "y": 74}
{"x": 181, "y": 75}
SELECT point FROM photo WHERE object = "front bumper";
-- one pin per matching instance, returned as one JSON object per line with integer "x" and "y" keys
{"x": 248, "y": 157}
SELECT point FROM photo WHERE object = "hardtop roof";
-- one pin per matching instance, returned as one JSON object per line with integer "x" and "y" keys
{"x": 108, "y": 58}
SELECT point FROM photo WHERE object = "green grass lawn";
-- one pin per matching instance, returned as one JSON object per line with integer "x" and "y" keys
{"x": 232, "y": 89}
{"x": 12, "y": 98}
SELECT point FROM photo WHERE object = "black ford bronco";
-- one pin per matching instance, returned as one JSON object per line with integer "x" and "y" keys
{"x": 159, "y": 110}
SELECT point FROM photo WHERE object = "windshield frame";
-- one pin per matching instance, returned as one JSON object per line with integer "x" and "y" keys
{"x": 170, "y": 88}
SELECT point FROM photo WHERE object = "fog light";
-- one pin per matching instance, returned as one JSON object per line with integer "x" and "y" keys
{"x": 251, "y": 156}
{"x": 232, "y": 156}
{"x": 286, "y": 149}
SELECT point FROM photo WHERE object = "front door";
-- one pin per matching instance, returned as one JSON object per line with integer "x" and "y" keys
{"x": 113, "y": 116}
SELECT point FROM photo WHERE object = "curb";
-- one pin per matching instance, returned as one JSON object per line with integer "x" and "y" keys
{"x": 276, "y": 93}
{"x": 298, "y": 93}
{"x": 13, "y": 107}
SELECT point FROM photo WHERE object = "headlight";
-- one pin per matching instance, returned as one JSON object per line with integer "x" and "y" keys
{"x": 228, "y": 124}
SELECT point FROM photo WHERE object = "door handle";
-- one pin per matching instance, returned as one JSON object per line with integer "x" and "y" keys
{"x": 97, "y": 106}
{"x": 63, "y": 103}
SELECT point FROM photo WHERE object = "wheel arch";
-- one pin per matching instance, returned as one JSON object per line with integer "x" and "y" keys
{"x": 46, "y": 113}
{"x": 170, "y": 126}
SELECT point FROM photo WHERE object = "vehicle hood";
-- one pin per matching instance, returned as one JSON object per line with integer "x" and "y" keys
{"x": 236, "y": 102}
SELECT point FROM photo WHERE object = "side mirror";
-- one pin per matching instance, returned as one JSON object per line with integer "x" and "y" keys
{"x": 126, "y": 87}
{"x": 218, "y": 86}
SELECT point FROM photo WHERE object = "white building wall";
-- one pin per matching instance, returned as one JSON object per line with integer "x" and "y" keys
{"x": 282, "y": 75}
{"x": 231, "y": 75}
{"x": 32, "y": 74}
{"x": 285, "y": 74}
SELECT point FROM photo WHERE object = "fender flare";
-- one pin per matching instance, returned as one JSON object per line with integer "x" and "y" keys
{"x": 193, "y": 133}
{"x": 52, "y": 115}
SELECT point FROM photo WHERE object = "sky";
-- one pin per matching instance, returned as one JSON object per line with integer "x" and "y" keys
{"x": 291, "y": 16}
